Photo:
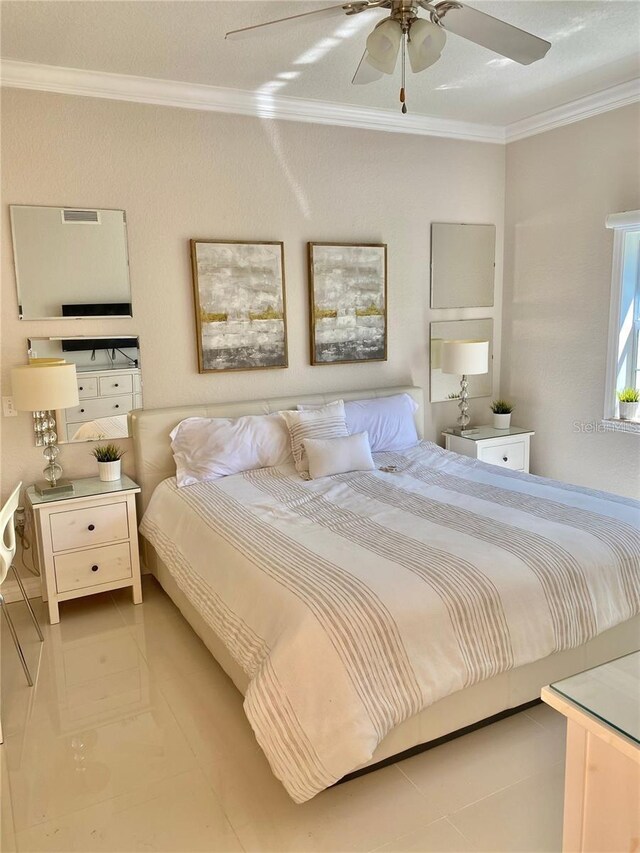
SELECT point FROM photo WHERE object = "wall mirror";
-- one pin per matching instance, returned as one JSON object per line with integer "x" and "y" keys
{"x": 462, "y": 265}
{"x": 70, "y": 262}
{"x": 109, "y": 384}
{"x": 446, "y": 386}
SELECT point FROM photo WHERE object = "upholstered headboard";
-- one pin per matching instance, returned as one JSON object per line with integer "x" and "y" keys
{"x": 150, "y": 428}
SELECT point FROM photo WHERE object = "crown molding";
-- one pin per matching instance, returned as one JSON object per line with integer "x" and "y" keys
{"x": 196, "y": 96}
{"x": 592, "y": 105}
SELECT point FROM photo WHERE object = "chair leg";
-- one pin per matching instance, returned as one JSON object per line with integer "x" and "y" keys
{"x": 27, "y": 602}
{"x": 16, "y": 642}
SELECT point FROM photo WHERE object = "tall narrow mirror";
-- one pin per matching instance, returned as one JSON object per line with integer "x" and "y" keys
{"x": 462, "y": 265}
{"x": 70, "y": 262}
{"x": 446, "y": 386}
{"x": 109, "y": 384}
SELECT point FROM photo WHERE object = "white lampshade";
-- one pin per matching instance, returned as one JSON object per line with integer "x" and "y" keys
{"x": 383, "y": 45}
{"x": 425, "y": 44}
{"x": 39, "y": 387}
{"x": 465, "y": 358}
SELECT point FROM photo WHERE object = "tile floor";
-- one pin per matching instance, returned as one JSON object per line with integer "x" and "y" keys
{"x": 134, "y": 739}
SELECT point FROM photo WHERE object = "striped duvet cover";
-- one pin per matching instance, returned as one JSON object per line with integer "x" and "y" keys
{"x": 355, "y": 601}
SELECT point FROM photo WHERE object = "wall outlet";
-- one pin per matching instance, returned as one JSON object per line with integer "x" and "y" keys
{"x": 8, "y": 409}
{"x": 19, "y": 518}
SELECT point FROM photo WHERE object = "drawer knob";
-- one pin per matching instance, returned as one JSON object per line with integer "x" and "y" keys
{"x": 505, "y": 458}
{"x": 82, "y": 410}
{"x": 91, "y": 527}
{"x": 115, "y": 385}
{"x": 94, "y": 568}
{"x": 80, "y": 388}
{"x": 117, "y": 406}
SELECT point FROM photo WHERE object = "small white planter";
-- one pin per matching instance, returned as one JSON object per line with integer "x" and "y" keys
{"x": 501, "y": 421}
{"x": 629, "y": 411}
{"x": 109, "y": 471}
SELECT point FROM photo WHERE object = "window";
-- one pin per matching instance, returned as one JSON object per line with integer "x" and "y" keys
{"x": 623, "y": 361}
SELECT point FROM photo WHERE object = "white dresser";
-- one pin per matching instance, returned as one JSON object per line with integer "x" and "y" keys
{"x": 102, "y": 394}
{"x": 507, "y": 448}
{"x": 602, "y": 763}
{"x": 88, "y": 541}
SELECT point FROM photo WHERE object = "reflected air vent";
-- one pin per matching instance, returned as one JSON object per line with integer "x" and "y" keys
{"x": 88, "y": 217}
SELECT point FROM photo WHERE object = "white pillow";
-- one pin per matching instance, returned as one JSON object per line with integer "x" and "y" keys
{"x": 388, "y": 421}
{"x": 327, "y": 456}
{"x": 326, "y": 422}
{"x": 210, "y": 448}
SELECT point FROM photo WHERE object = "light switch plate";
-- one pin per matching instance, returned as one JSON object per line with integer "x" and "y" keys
{"x": 8, "y": 409}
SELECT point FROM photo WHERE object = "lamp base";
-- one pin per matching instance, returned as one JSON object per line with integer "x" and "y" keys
{"x": 47, "y": 490}
{"x": 463, "y": 431}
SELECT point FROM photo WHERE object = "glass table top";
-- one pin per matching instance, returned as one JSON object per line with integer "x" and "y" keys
{"x": 480, "y": 433}
{"x": 87, "y": 487}
{"x": 610, "y": 692}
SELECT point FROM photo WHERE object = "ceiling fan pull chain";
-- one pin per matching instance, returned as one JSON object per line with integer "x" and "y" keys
{"x": 404, "y": 73}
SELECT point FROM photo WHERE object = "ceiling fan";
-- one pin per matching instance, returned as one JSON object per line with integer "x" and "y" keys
{"x": 404, "y": 32}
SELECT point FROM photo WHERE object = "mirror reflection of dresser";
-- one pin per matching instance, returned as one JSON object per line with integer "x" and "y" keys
{"x": 72, "y": 264}
{"x": 109, "y": 384}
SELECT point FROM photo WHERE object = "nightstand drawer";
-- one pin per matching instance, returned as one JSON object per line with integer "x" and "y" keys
{"x": 87, "y": 387}
{"x": 100, "y": 407}
{"x": 92, "y": 567}
{"x": 119, "y": 383}
{"x": 511, "y": 455}
{"x": 94, "y": 525}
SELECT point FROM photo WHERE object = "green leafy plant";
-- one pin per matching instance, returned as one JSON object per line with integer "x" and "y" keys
{"x": 108, "y": 453}
{"x": 501, "y": 407}
{"x": 629, "y": 395}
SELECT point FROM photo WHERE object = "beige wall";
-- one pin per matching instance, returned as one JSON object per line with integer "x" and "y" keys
{"x": 182, "y": 174}
{"x": 560, "y": 187}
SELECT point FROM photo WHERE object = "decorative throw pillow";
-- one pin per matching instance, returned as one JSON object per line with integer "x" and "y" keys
{"x": 389, "y": 421}
{"x": 326, "y": 422}
{"x": 327, "y": 456}
{"x": 210, "y": 448}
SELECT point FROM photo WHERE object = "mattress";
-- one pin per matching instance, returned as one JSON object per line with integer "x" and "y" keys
{"x": 354, "y": 602}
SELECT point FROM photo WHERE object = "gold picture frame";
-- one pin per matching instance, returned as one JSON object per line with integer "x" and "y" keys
{"x": 240, "y": 305}
{"x": 347, "y": 293}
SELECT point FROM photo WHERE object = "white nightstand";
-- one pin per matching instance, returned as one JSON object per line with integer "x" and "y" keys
{"x": 88, "y": 541}
{"x": 507, "y": 448}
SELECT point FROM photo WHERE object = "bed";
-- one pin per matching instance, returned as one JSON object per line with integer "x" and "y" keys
{"x": 366, "y": 614}
{"x": 101, "y": 429}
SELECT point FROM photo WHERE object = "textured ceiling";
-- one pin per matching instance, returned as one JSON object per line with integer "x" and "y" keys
{"x": 595, "y": 44}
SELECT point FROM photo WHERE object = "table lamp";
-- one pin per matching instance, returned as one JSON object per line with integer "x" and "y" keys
{"x": 39, "y": 424}
{"x": 43, "y": 387}
{"x": 464, "y": 358}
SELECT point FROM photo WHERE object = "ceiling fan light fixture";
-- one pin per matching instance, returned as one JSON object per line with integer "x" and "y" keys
{"x": 425, "y": 44}
{"x": 383, "y": 46}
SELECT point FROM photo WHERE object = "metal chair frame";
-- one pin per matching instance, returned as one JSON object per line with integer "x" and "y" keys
{"x": 7, "y": 554}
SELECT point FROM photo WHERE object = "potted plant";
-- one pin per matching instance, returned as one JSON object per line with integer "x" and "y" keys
{"x": 628, "y": 400}
{"x": 108, "y": 456}
{"x": 501, "y": 414}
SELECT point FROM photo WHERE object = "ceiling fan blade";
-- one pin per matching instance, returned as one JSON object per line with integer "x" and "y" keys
{"x": 365, "y": 73}
{"x": 492, "y": 33}
{"x": 327, "y": 12}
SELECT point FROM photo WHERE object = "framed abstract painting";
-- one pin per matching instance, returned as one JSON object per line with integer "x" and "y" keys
{"x": 240, "y": 304}
{"x": 347, "y": 302}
